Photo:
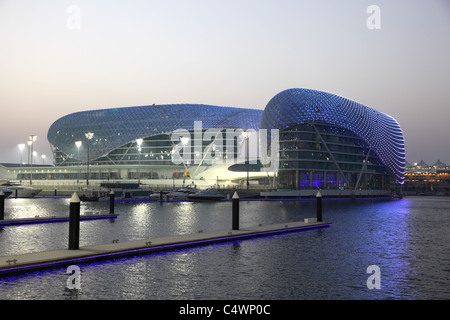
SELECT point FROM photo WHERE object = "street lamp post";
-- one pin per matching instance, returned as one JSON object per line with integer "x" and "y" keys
{"x": 246, "y": 136}
{"x": 248, "y": 163}
{"x": 78, "y": 144}
{"x": 89, "y": 136}
{"x": 139, "y": 143}
{"x": 30, "y": 142}
{"x": 21, "y": 147}
{"x": 185, "y": 141}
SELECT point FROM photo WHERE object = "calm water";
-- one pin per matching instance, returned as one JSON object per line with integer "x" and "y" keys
{"x": 407, "y": 239}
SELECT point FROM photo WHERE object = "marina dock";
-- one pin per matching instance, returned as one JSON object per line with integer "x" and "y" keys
{"x": 16, "y": 264}
{"x": 37, "y": 220}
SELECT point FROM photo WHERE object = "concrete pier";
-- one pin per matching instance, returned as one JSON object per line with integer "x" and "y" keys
{"x": 57, "y": 258}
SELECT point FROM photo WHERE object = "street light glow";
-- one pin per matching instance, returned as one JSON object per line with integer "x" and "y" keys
{"x": 89, "y": 136}
{"x": 184, "y": 140}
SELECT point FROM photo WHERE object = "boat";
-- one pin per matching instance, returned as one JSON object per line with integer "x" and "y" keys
{"x": 161, "y": 194}
{"x": 179, "y": 194}
{"x": 206, "y": 195}
{"x": 18, "y": 190}
{"x": 85, "y": 197}
{"x": 121, "y": 191}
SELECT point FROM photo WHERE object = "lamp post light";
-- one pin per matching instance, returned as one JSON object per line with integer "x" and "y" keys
{"x": 78, "y": 144}
{"x": 30, "y": 142}
{"x": 139, "y": 143}
{"x": 43, "y": 158}
{"x": 89, "y": 136}
{"x": 21, "y": 147}
{"x": 185, "y": 141}
{"x": 246, "y": 137}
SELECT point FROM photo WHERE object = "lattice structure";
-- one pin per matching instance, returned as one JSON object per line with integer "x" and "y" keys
{"x": 382, "y": 132}
{"x": 116, "y": 127}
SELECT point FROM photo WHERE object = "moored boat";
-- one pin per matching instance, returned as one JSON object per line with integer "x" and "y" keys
{"x": 18, "y": 190}
{"x": 179, "y": 194}
{"x": 121, "y": 191}
{"x": 206, "y": 195}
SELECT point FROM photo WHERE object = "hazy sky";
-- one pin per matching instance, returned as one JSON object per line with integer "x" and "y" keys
{"x": 59, "y": 57}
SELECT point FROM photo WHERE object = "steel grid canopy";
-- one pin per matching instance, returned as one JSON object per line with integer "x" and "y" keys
{"x": 379, "y": 130}
{"x": 116, "y": 127}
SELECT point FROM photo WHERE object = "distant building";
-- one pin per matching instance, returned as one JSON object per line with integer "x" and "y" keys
{"x": 424, "y": 179}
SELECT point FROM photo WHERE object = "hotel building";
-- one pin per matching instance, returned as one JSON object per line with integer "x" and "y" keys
{"x": 323, "y": 141}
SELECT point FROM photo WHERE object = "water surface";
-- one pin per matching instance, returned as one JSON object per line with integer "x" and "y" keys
{"x": 407, "y": 239}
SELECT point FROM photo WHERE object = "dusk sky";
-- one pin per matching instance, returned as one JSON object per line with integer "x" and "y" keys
{"x": 58, "y": 57}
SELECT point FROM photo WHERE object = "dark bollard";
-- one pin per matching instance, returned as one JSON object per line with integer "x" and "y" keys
{"x": 319, "y": 207}
{"x": 2, "y": 205}
{"x": 160, "y": 195}
{"x": 235, "y": 218}
{"x": 74, "y": 223}
{"x": 111, "y": 202}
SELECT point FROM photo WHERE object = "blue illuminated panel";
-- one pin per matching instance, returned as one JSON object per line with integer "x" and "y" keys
{"x": 380, "y": 131}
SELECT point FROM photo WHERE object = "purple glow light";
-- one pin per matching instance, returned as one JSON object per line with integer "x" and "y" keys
{"x": 162, "y": 247}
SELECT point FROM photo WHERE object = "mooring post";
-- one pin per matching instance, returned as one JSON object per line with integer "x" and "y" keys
{"x": 2, "y": 205}
{"x": 111, "y": 201}
{"x": 74, "y": 223}
{"x": 235, "y": 217}
{"x": 319, "y": 207}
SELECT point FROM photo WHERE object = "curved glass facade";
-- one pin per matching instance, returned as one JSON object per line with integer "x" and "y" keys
{"x": 306, "y": 162}
{"x": 328, "y": 141}
{"x": 116, "y": 130}
{"x": 325, "y": 141}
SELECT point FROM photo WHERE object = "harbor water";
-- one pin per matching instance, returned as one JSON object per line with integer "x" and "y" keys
{"x": 407, "y": 239}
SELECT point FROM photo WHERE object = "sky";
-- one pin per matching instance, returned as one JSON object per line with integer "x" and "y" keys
{"x": 63, "y": 56}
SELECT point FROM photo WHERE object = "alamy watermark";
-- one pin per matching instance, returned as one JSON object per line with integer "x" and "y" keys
{"x": 74, "y": 280}
{"x": 373, "y": 22}
{"x": 74, "y": 18}
{"x": 374, "y": 280}
{"x": 225, "y": 146}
